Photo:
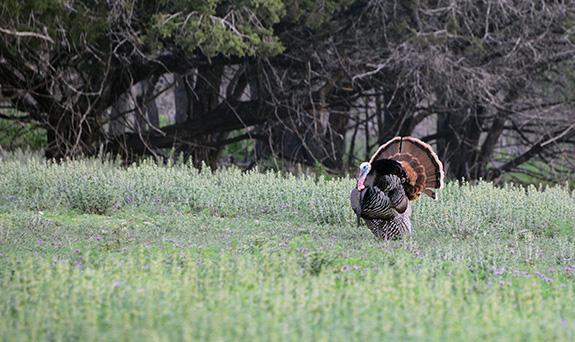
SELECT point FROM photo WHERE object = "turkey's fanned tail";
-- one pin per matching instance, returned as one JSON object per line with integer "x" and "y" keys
{"x": 423, "y": 167}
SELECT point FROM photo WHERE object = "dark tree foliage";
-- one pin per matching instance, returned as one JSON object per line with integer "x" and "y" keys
{"x": 490, "y": 83}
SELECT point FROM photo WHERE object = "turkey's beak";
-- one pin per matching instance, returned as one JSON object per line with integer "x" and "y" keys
{"x": 361, "y": 180}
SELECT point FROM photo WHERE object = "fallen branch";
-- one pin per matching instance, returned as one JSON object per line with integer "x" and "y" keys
{"x": 557, "y": 137}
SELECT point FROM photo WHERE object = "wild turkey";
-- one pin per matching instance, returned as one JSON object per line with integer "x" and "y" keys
{"x": 398, "y": 173}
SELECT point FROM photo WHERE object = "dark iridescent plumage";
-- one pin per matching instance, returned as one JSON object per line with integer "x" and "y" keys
{"x": 385, "y": 210}
{"x": 399, "y": 172}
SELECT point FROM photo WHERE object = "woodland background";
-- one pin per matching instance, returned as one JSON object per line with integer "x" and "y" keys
{"x": 105, "y": 232}
{"x": 490, "y": 83}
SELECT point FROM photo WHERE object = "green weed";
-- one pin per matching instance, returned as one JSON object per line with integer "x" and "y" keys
{"x": 90, "y": 250}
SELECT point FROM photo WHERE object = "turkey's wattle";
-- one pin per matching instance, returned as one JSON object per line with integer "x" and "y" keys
{"x": 364, "y": 169}
{"x": 397, "y": 173}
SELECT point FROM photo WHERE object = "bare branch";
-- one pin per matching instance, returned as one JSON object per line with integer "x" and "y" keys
{"x": 24, "y": 34}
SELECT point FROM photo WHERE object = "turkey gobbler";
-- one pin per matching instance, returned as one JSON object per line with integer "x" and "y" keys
{"x": 398, "y": 173}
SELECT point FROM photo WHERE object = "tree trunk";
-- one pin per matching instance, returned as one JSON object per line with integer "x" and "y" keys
{"x": 458, "y": 145}
{"x": 204, "y": 97}
{"x": 181, "y": 99}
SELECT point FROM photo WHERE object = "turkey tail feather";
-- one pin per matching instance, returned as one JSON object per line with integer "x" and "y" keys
{"x": 421, "y": 164}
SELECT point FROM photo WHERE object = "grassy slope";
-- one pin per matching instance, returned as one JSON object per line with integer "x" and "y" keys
{"x": 93, "y": 251}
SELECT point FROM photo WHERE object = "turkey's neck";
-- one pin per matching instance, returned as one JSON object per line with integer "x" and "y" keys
{"x": 370, "y": 179}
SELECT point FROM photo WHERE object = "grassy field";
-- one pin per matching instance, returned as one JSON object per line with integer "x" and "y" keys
{"x": 90, "y": 250}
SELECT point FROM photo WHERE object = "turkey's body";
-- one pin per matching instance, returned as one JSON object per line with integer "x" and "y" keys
{"x": 385, "y": 208}
{"x": 399, "y": 172}
{"x": 391, "y": 229}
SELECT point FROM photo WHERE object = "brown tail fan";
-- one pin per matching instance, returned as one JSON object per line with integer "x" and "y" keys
{"x": 423, "y": 167}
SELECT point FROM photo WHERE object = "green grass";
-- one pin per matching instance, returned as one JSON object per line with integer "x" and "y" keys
{"x": 93, "y": 251}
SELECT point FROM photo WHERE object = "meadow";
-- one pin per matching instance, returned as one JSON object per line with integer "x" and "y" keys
{"x": 91, "y": 250}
